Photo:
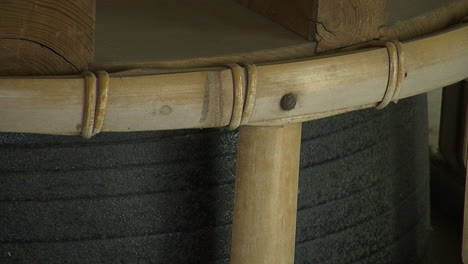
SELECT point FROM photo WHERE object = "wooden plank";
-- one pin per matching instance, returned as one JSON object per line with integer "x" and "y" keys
{"x": 296, "y": 15}
{"x": 187, "y": 33}
{"x": 265, "y": 203}
{"x": 331, "y": 24}
{"x": 46, "y": 36}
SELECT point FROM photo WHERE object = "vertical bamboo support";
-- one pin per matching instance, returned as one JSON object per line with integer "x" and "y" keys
{"x": 464, "y": 154}
{"x": 265, "y": 205}
{"x": 465, "y": 221}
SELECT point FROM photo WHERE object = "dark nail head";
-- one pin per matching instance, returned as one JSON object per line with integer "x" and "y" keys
{"x": 288, "y": 102}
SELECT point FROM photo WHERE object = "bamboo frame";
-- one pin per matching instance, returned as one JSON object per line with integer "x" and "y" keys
{"x": 202, "y": 98}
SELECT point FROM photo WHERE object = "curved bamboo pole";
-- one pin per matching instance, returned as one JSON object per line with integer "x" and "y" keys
{"x": 202, "y": 98}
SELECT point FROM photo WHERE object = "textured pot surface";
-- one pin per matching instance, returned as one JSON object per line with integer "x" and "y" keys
{"x": 167, "y": 197}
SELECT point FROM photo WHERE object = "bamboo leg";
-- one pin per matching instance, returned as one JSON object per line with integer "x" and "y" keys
{"x": 464, "y": 154}
{"x": 265, "y": 204}
{"x": 465, "y": 223}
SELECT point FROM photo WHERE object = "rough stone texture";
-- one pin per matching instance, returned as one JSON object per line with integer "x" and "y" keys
{"x": 167, "y": 197}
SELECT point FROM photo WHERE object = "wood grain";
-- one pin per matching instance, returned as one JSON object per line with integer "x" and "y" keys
{"x": 266, "y": 195}
{"x": 342, "y": 23}
{"x": 46, "y": 37}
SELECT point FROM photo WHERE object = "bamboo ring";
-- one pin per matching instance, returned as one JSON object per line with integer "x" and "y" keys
{"x": 250, "y": 93}
{"x": 396, "y": 72}
{"x": 101, "y": 103}
{"x": 95, "y": 103}
{"x": 89, "y": 105}
{"x": 238, "y": 77}
{"x": 401, "y": 70}
{"x": 244, "y": 94}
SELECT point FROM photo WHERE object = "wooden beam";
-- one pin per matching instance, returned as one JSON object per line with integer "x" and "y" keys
{"x": 265, "y": 206}
{"x": 40, "y": 37}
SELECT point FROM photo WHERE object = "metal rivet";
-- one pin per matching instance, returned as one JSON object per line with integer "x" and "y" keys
{"x": 288, "y": 102}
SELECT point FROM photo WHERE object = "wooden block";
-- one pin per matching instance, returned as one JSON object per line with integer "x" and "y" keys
{"x": 341, "y": 23}
{"x": 46, "y": 36}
